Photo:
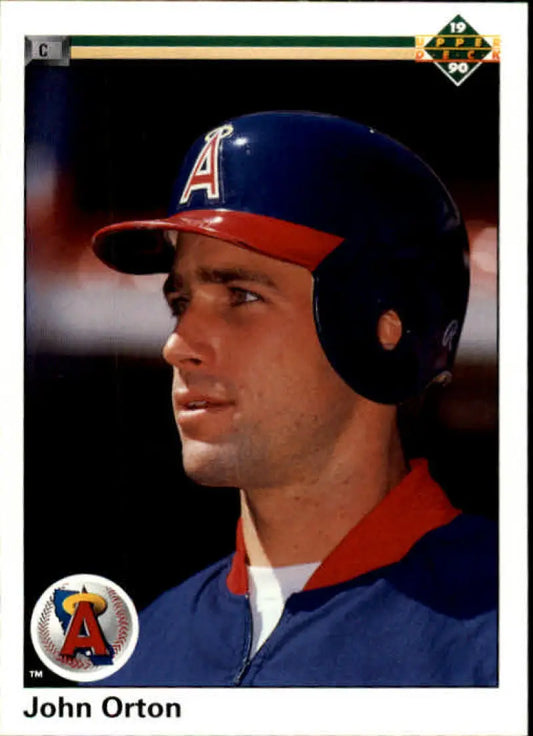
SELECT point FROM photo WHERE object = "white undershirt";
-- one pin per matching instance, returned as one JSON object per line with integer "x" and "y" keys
{"x": 269, "y": 589}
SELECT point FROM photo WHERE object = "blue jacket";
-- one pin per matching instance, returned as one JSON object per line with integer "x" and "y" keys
{"x": 408, "y": 598}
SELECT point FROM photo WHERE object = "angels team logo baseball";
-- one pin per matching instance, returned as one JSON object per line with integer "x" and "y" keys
{"x": 84, "y": 627}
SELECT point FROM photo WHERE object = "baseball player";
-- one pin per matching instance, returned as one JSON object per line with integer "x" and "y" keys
{"x": 318, "y": 275}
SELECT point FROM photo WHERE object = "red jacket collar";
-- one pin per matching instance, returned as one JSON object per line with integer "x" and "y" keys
{"x": 385, "y": 535}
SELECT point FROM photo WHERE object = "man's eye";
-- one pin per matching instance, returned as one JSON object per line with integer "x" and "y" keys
{"x": 178, "y": 305}
{"x": 243, "y": 296}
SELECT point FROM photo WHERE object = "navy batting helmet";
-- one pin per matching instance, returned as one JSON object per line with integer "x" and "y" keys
{"x": 369, "y": 219}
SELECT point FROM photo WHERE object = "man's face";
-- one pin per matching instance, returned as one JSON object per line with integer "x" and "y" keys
{"x": 255, "y": 400}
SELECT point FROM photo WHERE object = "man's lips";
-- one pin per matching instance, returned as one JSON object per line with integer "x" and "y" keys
{"x": 192, "y": 402}
{"x": 198, "y": 413}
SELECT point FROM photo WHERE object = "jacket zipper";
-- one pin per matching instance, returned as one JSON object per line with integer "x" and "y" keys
{"x": 237, "y": 680}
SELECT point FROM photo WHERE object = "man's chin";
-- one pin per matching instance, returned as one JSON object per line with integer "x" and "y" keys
{"x": 209, "y": 465}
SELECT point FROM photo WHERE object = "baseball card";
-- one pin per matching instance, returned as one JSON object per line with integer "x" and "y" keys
{"x": 263, "y": 437}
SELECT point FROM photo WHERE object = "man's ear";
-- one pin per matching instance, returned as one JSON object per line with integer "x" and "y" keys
{"x": 389, "y": 329}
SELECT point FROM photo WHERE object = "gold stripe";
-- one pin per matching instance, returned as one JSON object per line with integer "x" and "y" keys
{"x": 238, "y": 52}
{"x": 458, "y": 48}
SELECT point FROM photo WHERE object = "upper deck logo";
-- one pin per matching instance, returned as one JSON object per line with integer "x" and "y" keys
{"x": 84, "y": 627}
{"x": 458, "y": 49}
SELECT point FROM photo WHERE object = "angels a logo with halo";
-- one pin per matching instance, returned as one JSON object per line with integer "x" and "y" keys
{"x": 84, "y": 627}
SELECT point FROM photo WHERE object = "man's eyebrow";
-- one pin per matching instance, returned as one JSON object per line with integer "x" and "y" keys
{"x": 222, "y": 275}
{"x": 225, "y": 275}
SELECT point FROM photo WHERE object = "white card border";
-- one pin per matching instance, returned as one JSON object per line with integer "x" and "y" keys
{"x": 293, "y": 711}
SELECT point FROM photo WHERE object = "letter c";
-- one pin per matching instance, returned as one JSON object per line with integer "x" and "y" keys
{"x": 43, "y": 50}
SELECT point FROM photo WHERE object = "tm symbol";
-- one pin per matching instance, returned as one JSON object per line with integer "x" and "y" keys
{"x": 36, "y": 674}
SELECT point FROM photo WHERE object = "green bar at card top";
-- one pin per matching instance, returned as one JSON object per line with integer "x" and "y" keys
{"x": 263, "y": 41}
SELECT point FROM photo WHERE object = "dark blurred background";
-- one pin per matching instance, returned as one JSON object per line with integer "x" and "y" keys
{"x": 105, "y": 492}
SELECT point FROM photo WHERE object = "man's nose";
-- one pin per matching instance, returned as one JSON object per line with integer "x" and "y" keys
{"x": 191, "y": 343}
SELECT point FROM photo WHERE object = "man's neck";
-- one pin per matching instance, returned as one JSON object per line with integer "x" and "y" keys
{"x": 304, "y": 520}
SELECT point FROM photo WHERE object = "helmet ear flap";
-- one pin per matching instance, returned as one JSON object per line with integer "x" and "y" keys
{"x": 351, "y": 292}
